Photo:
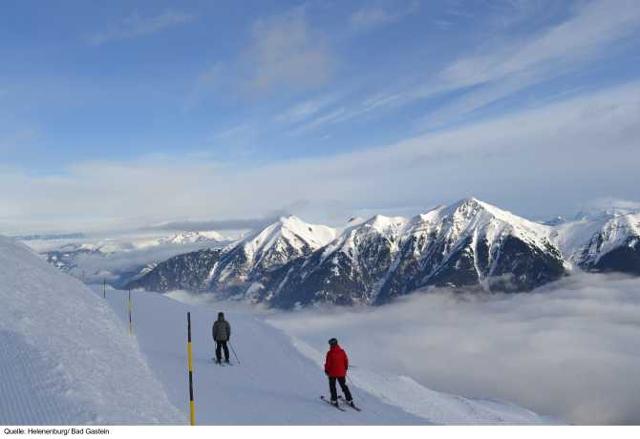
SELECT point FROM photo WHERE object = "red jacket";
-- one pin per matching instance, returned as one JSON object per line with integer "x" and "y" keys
{"x": 337, "y": 363}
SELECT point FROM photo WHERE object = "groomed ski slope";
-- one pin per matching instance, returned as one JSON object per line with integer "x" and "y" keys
{"x": 272, "y": 384}
{"x": 279, "y": 380}
{"x": 65, "y": 357}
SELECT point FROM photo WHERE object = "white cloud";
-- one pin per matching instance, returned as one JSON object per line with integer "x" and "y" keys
{"x": 570, "y": 151}
{"x": 568, "y": 350}
{"x": 585, "y": 35}
{"x": 372, "y": 16}
{"x": 610, "y": 203}
{"x": 285, "y": 50}
{"x": 134, "y": 26}
{"x": 509, "y": 64}
{"x": 503, "y": 69}
{"x": 305, "y": 109}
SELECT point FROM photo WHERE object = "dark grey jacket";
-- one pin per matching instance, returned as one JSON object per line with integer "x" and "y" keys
{"x": 221, "y": 330}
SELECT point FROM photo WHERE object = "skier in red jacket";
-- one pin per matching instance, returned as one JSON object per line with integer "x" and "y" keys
{"x": 335, "y": 367}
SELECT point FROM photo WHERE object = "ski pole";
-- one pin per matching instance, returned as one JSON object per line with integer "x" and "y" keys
{"x": 234, "y": 352}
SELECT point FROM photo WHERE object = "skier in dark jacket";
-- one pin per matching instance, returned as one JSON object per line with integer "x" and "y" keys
{"x": 336, "y": 366}
{"x": 221, "y": 332}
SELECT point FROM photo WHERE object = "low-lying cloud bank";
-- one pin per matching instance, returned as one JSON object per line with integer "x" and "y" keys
{"x": 569, "y": 350}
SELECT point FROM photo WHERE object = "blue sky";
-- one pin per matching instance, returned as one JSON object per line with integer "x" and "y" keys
{"x": 207, "y": 94}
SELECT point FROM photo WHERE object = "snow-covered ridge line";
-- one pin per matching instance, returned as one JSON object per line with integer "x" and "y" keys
{"x": 469, "y": 243}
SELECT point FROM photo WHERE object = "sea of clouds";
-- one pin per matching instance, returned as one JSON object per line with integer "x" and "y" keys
{"x": 570, "y": 350}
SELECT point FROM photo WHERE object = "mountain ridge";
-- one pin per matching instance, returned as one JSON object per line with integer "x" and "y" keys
{"x": 470, "y": 244}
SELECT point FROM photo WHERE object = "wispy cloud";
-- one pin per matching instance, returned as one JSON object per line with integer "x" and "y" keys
{"x": 372, "y": 16}
{"x": 534, "y": 151}
{"x": 218, "y": 225}
{"x": 205, "y": 83}
{"x": 610, "y": 203}
{"x": 305, "y": 109}
{"x": 283, "y": 52}
{"x": 501, "y": 70}
{"x": 582, "y": 37}
{"x": 507, "y": 65}
{"x": 286, "y": 50}
{"x": 135, "y": 25}
{"x": 338, "y": 111}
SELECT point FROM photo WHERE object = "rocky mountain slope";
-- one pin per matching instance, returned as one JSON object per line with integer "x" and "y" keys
{"x": 243, "y": 267}
{"x": 468, "y": 244}
{"x": 606, "y": 241}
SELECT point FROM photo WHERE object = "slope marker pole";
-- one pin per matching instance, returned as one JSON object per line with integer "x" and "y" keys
{"x": 192, "y": 406}
{"x": 130, "y": 308}
{"x": 104, "y": 288}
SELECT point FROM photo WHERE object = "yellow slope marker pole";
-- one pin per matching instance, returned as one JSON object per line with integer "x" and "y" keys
{"x": 192, "y": 406}
{"x": 130, "y": 307}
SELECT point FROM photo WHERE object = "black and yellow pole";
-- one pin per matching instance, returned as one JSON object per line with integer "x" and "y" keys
{"x": 130, "y": 307}
{"x": 192, "y": 406}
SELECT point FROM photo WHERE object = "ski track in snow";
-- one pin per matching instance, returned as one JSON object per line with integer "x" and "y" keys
{"x": 29, "y": 369}
{"x": 273, "y": 384}
{"x": 437, "y": 407}
{"x": 64, "y": 355}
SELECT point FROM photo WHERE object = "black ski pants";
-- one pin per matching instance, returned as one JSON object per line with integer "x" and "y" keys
{"x": 220, "y": 345}
{"x": 343, "y": 385}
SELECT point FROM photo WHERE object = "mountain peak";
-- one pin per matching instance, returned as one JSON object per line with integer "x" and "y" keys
{"x": 381, "y": 222}
{"x": 473, "y": 203}
{"x": 291, "y": 221}
{"x": 291, "y": 229}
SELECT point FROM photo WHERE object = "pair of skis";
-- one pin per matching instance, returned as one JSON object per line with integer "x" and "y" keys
{"x": 339, "y": 407}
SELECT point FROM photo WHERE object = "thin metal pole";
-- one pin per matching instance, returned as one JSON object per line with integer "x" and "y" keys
{"x": 234, "y": 352}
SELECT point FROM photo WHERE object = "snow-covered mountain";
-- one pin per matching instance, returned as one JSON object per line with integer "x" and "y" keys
{"x": 191, "y": 237}
{"x": 108, "y": 246}
{"x": 121, "y": 259}
{"x": 290, "y": 263}
{"x": 469, "y": 243}
{"x": 242, "y": 267}
{"x": 606, "y": 241}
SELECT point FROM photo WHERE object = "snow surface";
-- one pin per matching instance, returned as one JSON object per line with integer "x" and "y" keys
{"x": 271, "y": 247}
{"x": 577, "y": 239}
{"x": 279, "y": 379}
{"x": 64, "y": 355}
{"x": 463, "y": 218}
{"x": 293, "y": 230}
{"x": 437, "y": 407}
{"x": 272, "y": 384}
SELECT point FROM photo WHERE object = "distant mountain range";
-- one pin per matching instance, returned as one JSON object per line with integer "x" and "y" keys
{"x": 468, "y": 244}
{"x": 118, "y": 260}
